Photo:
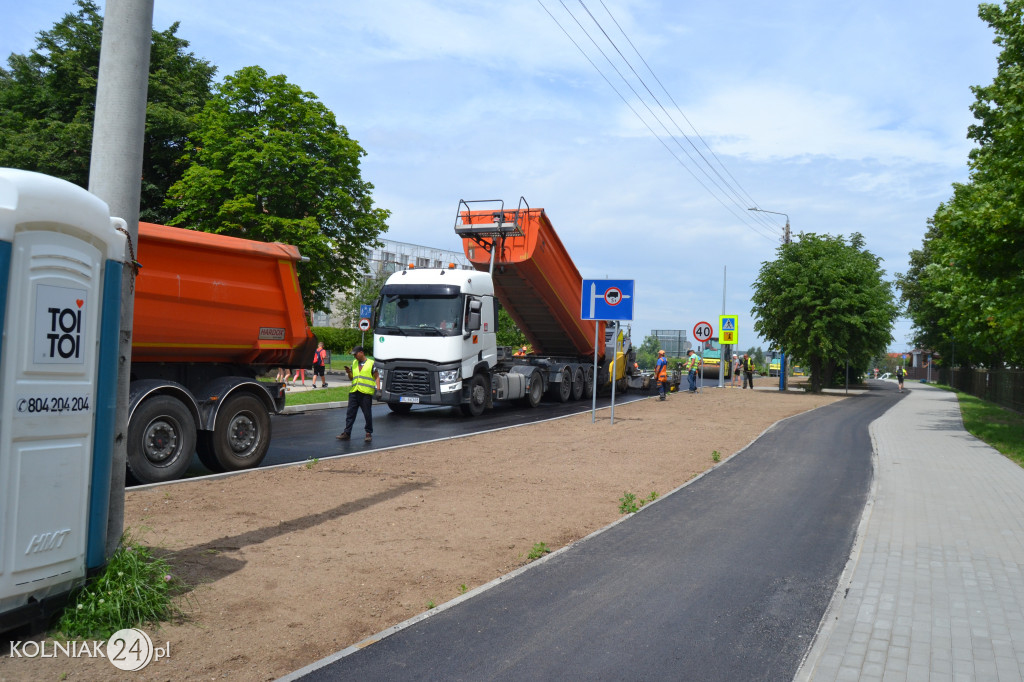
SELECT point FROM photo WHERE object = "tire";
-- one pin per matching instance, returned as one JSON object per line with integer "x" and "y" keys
{"x": 204, "y": 448}
{"x": 536, "y": 390}
{"x": 563, "y": 389}
{"x": 161, "y": 440}
{"x": 579, "y": 378}
{"x": 477, "y": 397}
{"x": 241, "y": 436}
{"x": 400, "y": 408}
{"x": 588, "y": 382}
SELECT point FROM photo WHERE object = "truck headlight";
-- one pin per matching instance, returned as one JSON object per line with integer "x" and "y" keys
{"x": 449, "y": 376}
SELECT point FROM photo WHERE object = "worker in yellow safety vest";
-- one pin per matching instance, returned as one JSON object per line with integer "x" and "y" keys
{"x": 363, "y": 376}
{"x": 692, "y": 360}
{"x": 661, "y": 375}
{"x": 748, "y": 371}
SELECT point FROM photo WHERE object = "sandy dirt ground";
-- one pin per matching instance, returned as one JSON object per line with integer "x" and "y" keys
{"x": 291, "y": 564}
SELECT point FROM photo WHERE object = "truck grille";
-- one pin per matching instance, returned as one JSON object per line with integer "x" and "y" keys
{"x": 410, "y": 381}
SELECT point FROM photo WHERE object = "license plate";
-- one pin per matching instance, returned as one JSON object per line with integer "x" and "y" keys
{"x": 409, "y": 399}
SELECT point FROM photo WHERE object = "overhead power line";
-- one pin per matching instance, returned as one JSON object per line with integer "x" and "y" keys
{"x": 724, "y": 188}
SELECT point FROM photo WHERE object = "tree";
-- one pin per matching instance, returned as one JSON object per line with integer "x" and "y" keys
{"x": 509, "y": 333}
{"x": 365, "y": 291}
{"x": 47, "y": 100}
{"x": 824, "y": 300}
{"x": 269, "y": 162}
{"x": 964, "y": 285}
{"x": 647, "y": 353}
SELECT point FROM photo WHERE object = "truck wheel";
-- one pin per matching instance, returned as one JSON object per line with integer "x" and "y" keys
{"x": 400, "y": 408}
{"x": 536, "y": 390}
{"x": 588, "y": 382}
{"x": 477, "y": 397}
{"x": 241, "y": 436}
{"x": 563, "y": 389}
{"x": 161, "y": 440}
{"x": 204, "y": 448}
{"x": 578, "y": 381}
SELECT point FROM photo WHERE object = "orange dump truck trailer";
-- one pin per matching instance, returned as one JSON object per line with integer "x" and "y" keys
{"x": 212, "y": 313}
{"x": 435, "y": 329}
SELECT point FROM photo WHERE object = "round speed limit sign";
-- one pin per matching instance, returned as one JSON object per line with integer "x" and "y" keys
{"x": 702, "y": 331}
{"x": 364, "y": 324}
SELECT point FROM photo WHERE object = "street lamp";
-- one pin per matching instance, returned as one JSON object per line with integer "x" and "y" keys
{"x": 782, "y": 357}
{"x": 785, "y": 237}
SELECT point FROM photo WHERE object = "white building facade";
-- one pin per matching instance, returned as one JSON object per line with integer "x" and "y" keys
{"x": 390, "y": 257}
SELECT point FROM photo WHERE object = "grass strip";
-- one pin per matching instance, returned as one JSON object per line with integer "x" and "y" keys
{"x": 1001, "y": 428}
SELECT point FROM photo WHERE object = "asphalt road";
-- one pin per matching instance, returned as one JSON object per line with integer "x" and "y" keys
{"x": 312, "y": 434}
{"x": 726, "y": 579}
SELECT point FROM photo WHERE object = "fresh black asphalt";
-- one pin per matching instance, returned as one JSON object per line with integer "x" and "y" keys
{"x": 726, "y": 579}
{"x": 297, "y": 437}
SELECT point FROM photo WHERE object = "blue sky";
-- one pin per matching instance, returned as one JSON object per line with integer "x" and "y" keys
{"x": 848, "y": 117}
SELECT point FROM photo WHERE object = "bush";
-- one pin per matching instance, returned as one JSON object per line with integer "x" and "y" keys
{"x": 341, "y": 341}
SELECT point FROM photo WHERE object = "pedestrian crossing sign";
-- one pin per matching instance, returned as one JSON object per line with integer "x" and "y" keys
{"x": 727, "y": 325}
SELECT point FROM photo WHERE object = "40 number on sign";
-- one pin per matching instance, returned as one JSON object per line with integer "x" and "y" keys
{"x": 702, "y": 331}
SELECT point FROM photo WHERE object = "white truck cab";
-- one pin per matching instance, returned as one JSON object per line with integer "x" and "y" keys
{"x": 434, "y": 334}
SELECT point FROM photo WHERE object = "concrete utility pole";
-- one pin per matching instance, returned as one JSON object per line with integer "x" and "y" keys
{"x": 115, "y": 176}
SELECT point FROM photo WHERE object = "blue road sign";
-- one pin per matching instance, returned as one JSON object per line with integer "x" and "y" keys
{"x": 365, "y": 310}
{"x": 607, "y": 299}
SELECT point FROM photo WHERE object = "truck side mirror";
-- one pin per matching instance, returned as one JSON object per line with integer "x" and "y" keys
{"x": 473, "y": 316}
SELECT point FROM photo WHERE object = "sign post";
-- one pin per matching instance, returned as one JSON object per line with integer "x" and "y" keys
{"x": 702, "y": 332}
{"x": 607, "y": 300}
{"x": 728, "y": 336}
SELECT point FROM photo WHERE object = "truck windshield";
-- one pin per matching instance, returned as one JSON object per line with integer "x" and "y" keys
{"x": 425, "y": 314}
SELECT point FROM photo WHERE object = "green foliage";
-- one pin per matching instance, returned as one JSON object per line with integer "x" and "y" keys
{"x": 629, "y": 504}
{"x": 431, "y": 604}
{"x": 463, "y": 589}
{"x": 312, "y": 462}
{"x": 509, "y": 333}
{"x": 136, "y": 588}
{"x": 716, "y": 456}
{"x": 647, "y": 353}
{"x": 342, "y": 341}
{"x": 48, "y": 98}
{"x": 539, "y": 550}
{"x": 964, "y": 286}
{"x": 823, "y": 300}
{"x": 269, "y": 162}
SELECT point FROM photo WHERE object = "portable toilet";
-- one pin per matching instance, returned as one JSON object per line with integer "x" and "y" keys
{"x": 61, "y": 256}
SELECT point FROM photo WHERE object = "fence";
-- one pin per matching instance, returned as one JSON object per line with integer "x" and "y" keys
{"x": 1002, "y": 386}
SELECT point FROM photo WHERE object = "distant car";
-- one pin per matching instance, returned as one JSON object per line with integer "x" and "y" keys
{"x": 798, "y": 371}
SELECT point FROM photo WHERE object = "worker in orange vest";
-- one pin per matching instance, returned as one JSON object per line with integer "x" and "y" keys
{"x": 661, "y": 375}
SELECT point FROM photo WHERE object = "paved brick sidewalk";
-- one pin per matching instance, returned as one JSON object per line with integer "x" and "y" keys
{"x": 935, "y": 586}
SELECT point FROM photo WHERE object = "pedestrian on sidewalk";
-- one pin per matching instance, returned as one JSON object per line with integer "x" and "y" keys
{"x": 661, "y": 375}
{"x": 899, "y": 378}
{"x": 748, "y": 371}
{"x": 363, "y": 376}
{"x": 319, "y": 365}
{"x": 691, "y": 369}
{"x": 737, "y": 370}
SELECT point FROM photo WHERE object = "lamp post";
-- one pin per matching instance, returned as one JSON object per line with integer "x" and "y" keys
{"x": 785, "y": 237}
{"x": 782, "y": 356}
